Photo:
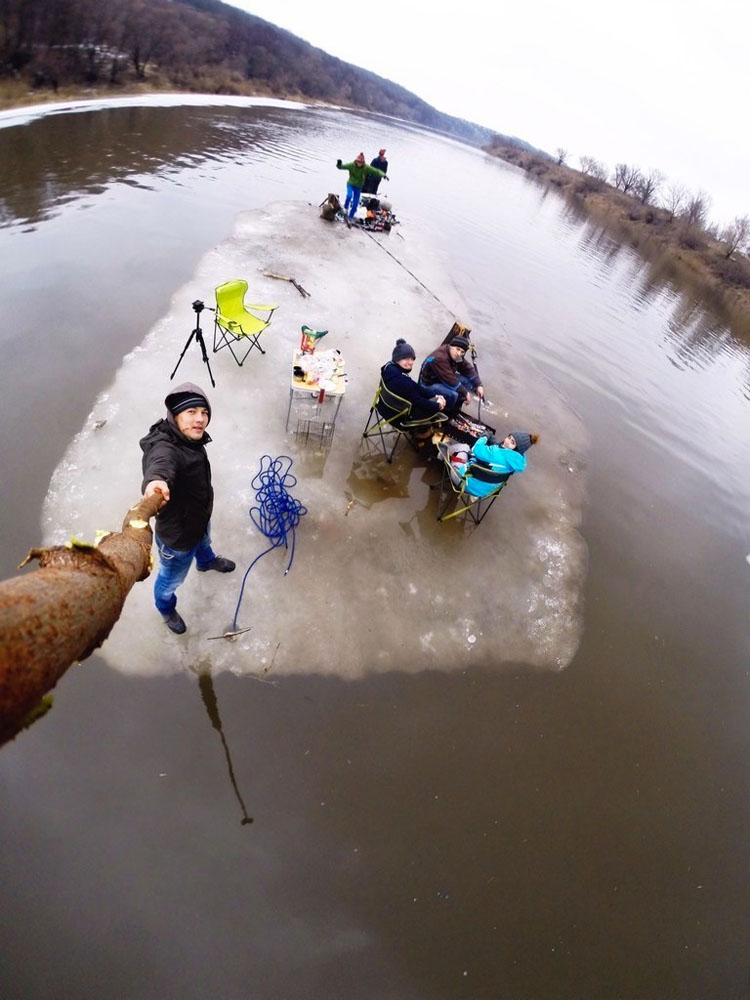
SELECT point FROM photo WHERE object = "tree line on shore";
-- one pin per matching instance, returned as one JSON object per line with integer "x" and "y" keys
{"x": 201, "y": 46}
{"x": 645, "y": 199}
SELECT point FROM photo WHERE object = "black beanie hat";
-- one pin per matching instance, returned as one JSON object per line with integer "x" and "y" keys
{"x": 461, "y": 342}
{"x": 184, "y": 397}
{"x": 402, "y": 350}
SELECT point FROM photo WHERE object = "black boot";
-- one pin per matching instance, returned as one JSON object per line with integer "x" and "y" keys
{"x": 175, "y": 623}
{"x": 220, "y": 564}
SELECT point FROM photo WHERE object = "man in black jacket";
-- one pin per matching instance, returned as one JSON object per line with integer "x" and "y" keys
{"x": 372, "y": 181}
{"x": 176, "y": 465}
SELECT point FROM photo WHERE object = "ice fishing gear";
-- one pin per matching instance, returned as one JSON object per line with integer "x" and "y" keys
{"x": 479, "y": 398}
{"x": 197, "y": 333}
{"x": 276, "y": 516}
{"x": 330, "y": 207}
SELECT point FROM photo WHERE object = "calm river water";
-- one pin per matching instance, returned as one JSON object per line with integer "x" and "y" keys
{"x": 489, "y": 836}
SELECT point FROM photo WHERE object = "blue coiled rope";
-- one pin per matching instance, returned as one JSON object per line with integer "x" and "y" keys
{"x": 277, "y": 513}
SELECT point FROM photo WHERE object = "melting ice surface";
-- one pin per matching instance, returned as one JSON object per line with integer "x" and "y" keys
{"x": 376, "y": 583}
{"x": 23, "y": 115}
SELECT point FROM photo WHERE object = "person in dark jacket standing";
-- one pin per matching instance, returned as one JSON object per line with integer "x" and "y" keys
{"x": 395, "y": 375}
{"x": 448, "y": 370}
{"x": 372, "y": 182}
{"x": 358, "y": 171}
{"x": 176, "y": 465}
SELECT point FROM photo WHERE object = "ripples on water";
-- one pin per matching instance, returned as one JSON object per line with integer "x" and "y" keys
{"x": 68, "y": 157}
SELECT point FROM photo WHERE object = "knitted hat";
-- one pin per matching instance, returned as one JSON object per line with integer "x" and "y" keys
{"x": 358, "y": 157}
{"x": 523, "y": 441}
{"x": 402, "y": 350}
{"x": 461, "y": 342}
{"x": 186, "y": 396}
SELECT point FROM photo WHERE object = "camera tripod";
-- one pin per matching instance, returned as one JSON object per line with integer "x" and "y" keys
{"x": 198, "y": 306}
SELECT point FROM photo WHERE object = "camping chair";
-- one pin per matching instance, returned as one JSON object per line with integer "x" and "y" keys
{"x": 234, "y": 322}
{"x": 455, "y": 490}
{"x": 392, "y": 416}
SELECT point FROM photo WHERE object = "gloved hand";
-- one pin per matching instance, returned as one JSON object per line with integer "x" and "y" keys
{"x": 338, "y": 163}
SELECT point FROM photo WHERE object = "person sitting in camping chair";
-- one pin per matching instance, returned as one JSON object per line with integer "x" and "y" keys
{"x": 505, "y": 457}
{"x": 425, "y": 402}
{"x": 450, "y": 372}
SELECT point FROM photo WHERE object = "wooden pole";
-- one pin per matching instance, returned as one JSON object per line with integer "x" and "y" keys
{"x": 63, "y": 611}
{"x": 283, "y": 277}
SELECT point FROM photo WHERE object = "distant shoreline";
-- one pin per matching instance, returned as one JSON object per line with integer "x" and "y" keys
{"x": 17, "y": 95}
{"x": 697, "y": 255}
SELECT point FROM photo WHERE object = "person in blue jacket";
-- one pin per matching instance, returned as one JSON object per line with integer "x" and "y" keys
{"x": 425, "y": 401}
{"x": 507, "y": 457}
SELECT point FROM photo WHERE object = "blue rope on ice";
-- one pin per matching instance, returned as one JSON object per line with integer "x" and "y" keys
{"x": 277, "y": 513}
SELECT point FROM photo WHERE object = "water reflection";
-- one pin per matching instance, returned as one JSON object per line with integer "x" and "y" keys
{"x": 691, "y": 333}
{"x": 310, "y": 460}
{"x": 68, "y": 157}
{"x": 662, "y": 275}
{"x": 208, "y": 695}
{"x": 595, "y": 240}
{"x": 700, "y": 326}
{"x": 372, "y": 480}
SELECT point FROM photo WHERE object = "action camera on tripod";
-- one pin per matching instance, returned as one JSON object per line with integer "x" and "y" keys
{"x": 198, "y": 308}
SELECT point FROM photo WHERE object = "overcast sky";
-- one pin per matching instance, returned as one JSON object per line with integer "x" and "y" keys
{"x": 659, "y": 84}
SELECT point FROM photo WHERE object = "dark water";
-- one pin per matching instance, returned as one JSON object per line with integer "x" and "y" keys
{"x": 522, "y": 835}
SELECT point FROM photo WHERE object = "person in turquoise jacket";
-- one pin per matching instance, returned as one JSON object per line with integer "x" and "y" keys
{"x": 357, "y": 173}
{"x": 507, "y": 457}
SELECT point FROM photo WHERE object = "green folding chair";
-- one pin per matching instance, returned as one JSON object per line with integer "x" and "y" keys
{"x": 390, "y": 418}
{"x": 235, "y": 324}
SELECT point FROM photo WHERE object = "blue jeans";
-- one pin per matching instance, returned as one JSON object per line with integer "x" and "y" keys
{"x": 352, "y": 195}
{"x": 174, "y": 565}
{"x": 452, "y": 399}
{"x": 451, "y": 396}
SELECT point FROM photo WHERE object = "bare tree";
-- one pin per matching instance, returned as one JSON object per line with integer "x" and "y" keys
{"x": 593, "y": 168}
{"x": 675, "y": 199}
{"x": 696, "y": 209}
{"x": 147, "y": 34}
{"x": 648, "y": 184}
{"x": 736, "y": 236}
{"x": 600, "y": 170}
{"x": 586, "y": 163}
{"x": 626, "y": 177}
{"x": 562, "y": 154}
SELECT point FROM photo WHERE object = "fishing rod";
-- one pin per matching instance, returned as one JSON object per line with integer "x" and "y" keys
{"x": 476, "y": 369}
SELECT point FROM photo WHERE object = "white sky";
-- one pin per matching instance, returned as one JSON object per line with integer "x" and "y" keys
{"x": 656, "y": 83}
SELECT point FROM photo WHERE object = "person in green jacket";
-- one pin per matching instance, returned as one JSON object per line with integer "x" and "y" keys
{"x": 357, "y": 173}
